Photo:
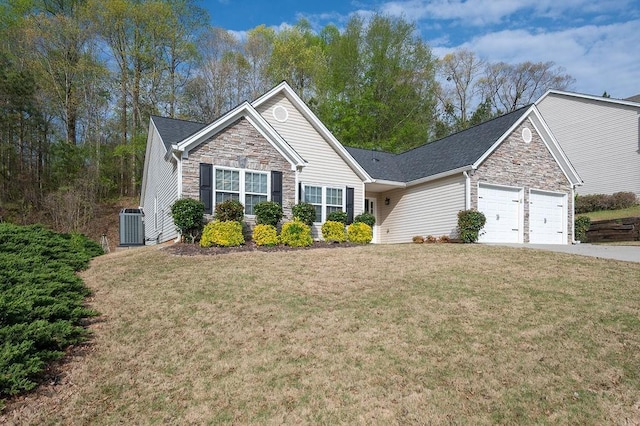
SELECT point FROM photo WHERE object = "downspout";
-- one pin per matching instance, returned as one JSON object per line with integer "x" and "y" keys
{"x": 573, "y": 214}
{"x": 467, "y": 189}
{"x": 177, "y": 155}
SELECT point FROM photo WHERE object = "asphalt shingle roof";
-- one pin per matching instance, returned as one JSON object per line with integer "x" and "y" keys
{"x": 172, "y": 130}
{"x": 452, "y": 152}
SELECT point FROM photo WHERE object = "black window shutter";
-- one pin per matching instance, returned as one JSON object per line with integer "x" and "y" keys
{"x": 276, "y": 187}
{"x": 349, "y": 205}
{"x": 206, "y": 187}
{"x": 300, "y": 192}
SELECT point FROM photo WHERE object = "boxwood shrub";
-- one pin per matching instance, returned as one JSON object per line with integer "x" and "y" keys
{"x": 334, "y": 232}
{"x": 296, "y": 234}
{"x": 367, "y": 218}
{"x": 229, "y": 210}
{"x": 470, "y": 222}
{"x": 265, "y": 235}
{"x": 305, "y": 213}
{"x": 222, "y": 234}
{"x": 268, "y": 213}
{"x": 359, "y": 233}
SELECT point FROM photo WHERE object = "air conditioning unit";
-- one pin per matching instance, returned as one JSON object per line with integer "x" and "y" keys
{"x": 131, "y": 227}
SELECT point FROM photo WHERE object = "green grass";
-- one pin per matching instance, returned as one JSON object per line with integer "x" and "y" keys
{"x": 401, "y": 334}
{"x": 613, "y": 214}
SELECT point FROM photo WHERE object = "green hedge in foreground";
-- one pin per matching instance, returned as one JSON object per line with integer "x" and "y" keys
{"x": 41, "y": 300}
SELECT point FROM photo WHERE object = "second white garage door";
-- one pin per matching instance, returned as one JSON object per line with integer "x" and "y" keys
{"x": 502, "y": 207}
{"x": 547, "y": 218}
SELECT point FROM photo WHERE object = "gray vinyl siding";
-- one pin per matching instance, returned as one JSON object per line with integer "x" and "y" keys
{"x": 325, "y": 167}
{"x": 600, "y": 138}
{"x": 161, "y": 182}
{"x": 427, "y": 209}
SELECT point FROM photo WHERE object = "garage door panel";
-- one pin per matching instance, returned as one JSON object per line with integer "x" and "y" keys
{"x": 502, "y": 209}
{"x": 547, "y": 217}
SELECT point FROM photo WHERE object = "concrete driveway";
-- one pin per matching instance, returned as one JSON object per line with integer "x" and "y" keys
{"x": 625, "y": 253}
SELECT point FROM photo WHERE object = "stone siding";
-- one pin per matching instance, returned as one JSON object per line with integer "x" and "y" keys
{"x": 524, "y": 165}
{"x": 238, "y": 146}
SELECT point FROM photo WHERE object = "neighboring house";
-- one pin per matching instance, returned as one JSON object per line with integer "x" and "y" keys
{"x": 275, "y": 148}
{"x": 601, "y": 137}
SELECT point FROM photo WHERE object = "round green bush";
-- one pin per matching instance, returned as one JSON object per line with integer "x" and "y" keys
{"x": 367, "y": 218}
{"x": 337, "y": 216}
{"x": 304, "y": 212}
{"x": 268, "y": 213}
{"x": 296, "y": 234}
{"x": 222, "y": 234}
{"x": 265, "y": 235}
{"x": 582, "y": 225}
{"x": 188, "y": 216}
{"x": 229, "y": 210}
{"x": 470, "y": 222}
{"x": 333, "y": 231}
{"x": 359, "y": 233}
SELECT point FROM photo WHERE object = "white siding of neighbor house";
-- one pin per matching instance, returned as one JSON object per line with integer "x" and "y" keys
{"x": 160, "y": 191}
{"x": 325, "y": 167}
{"x": 428, "y": 209}
{"x": 600, "y": 138}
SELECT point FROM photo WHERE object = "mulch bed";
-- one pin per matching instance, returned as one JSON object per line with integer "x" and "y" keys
{"x": 183, "y": 249}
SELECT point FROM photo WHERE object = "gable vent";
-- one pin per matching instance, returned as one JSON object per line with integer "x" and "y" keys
{"x": 280, "y": 113}
{"x": 526, "y": 135}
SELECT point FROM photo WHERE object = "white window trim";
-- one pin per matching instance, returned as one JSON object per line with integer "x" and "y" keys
{"x": 324, "y": 204}
{"x": 242, "y": 193}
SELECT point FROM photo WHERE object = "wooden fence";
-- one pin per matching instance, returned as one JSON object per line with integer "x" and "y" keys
{"x": 626, "y": 229}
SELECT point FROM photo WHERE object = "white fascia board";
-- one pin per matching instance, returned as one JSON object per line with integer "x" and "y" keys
{"x": 389, "y": 183}
{"x": 554, "y": 147}
{"x": 589, "y": 97}
{"x": 247, "y": 111}
{"x": 459, "y": 170}
{"x": 317, "y": 124}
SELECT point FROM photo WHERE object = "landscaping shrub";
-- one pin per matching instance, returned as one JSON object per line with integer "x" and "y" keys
{"x": 41, "y": 300}
{"x": 431, "y": 239}
{"x": 444, "y": 239}
{"x": 582, "y": 224}
{"x": 367, "y": 218}
{"x": 296, "y": 234}
{"x": 223, "y": 234}
{"x": 268, "y": 213}
{"x": 418, "y": 239}
{"x": 359, "y": 233}
{"x": 470, "y": 222}
{"x": 188, "y": 216}
{"x": 305, "y": 213}
{"x": 333, "y": 231}
{"x": 265, "y": 235}
{"x": 229, "y": 210}
{"x": 338, "y": 216}
{"x": 596, "y": 202}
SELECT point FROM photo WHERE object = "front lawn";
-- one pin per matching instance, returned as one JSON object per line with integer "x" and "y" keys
{"x": 613, "y": 214}
{"x": 414, "y": 333}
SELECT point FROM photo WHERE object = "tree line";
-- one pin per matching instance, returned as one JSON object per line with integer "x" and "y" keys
{"x": 79, "y": 80}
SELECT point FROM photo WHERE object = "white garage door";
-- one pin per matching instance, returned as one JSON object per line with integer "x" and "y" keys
{"x": 547, "y": 215}
{"x": 502, "y": 208}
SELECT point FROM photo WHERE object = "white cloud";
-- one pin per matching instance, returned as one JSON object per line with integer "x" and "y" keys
{"x": 599, "y": 57}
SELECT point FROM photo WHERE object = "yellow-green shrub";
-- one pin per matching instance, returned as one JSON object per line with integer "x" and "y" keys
{"x": 296, "y": 234}
{"x": 265, "y": 235}
{"x": 333, "y": 231}
{"x": 223, "y": 234}
{"x": 359, "y": 233}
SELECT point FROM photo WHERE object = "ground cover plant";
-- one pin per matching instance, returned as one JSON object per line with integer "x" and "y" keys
{"x": 401, "y": 334}
{"x": 41, "y": 300}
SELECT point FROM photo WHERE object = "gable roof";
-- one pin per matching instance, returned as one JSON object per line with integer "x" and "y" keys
{"x": 461, "y": 150}
{"x": 172, "y": 130}
{"x": 633, "y": 102}
{"x": 248, "y": 112}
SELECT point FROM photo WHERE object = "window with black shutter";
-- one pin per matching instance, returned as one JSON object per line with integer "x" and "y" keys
{"x": 349, "y": 205}
{"x": 276, "y": 187}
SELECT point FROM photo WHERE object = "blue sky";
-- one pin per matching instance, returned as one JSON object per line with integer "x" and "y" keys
{"x": 596, "y": 41}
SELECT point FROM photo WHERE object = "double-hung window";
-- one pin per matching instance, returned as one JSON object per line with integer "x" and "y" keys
{"x": 324, "y": 199}
{"x": 255, "y": 190}
{"x": 248, "y": 187}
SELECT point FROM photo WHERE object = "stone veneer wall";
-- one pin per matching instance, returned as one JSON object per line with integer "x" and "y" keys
{"x": 529, "y": 166}
{"x": 238, "y": 146}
